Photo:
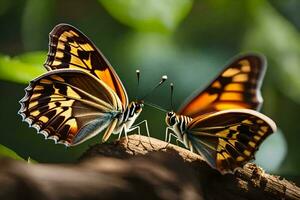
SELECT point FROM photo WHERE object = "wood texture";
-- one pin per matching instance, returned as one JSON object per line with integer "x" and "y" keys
{"x": 134, "y": 169}
{"x": 250, "y": 182}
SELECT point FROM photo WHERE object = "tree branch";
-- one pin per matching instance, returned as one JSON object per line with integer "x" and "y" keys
{"x": 138, "y": 170}
{"x": 251, "y": 182}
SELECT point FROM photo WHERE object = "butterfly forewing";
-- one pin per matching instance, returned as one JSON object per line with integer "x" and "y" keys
{"x": 69, "y": 48}
{"x": 228, "y": 139}
{"x": 69, "y": 106}
{"x": 237, "y": 86}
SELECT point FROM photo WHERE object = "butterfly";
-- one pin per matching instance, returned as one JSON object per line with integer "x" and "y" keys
{"x": 222, "y": 122}
{"x": 80, "y": 95}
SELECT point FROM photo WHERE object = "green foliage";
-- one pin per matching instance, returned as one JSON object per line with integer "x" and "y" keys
{"x": 37, "y": 16}
{"x": 4, "y": 6}
{"x": 149, "y": 15}
{"x": 280, "y": 41}
{"x": 23, "y": 68}
{"x": 6, "y": 152}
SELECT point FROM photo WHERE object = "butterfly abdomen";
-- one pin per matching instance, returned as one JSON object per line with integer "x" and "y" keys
{"x": 183, "y": 122}
{"x": 179, "y": 124}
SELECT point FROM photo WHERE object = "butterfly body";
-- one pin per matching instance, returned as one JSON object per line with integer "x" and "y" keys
{"x": 221, "y": 122}
{"x": 128, "y": 117}
{"x": 178, "y": 124}
{"x": 80, "y": 96}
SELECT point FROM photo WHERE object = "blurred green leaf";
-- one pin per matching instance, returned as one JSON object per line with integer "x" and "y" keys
{"x": 289, "y": 9}
{"x": 36, "y": 21}
{"x": 216, "y": 25}
{"x": 280, "y": 41}
{"x": 34, "y": 58}
{"x": 149, "y": 15}
{"x": 6, "y": 152}
{"x": 23, "y": 68}
{"x": 4, "y": 6}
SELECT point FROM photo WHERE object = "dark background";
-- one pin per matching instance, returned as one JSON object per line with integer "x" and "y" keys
{"x": 190, "y": 41}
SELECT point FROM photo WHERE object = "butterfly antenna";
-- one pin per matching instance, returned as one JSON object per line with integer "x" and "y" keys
{"x": 172, "y": 91}
{"x": 156, "y": 107}
{"x": 138, "y": 73}
{"x": 163, "y": 79}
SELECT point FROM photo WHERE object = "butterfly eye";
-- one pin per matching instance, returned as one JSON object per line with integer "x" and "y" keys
{"x": 172, "y": 120}
{"x": 138, "y": 107}
{"x": 170, "y": 114}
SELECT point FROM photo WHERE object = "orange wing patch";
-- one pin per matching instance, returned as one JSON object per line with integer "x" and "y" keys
{"x": 227, "y": 139}
{"x": 238, "y": 86}
{"x": 69, "y": 48}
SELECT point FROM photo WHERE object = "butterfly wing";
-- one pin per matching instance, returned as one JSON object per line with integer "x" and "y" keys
{"x": 69, "y": 48}
{"x": 237, "y": 86}
{"x": 69, "y": 106}
{"x": 228, "y": 139}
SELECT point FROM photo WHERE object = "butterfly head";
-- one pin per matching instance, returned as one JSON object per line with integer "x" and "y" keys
{"x": 171, "y": 119}
{"x": 138, "y": 106}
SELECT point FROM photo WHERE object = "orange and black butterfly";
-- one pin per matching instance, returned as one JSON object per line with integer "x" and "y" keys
{"x": 80, "y": 96}
{"x": 221, "y": 122}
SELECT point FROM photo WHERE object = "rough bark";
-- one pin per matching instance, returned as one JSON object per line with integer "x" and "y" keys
{"x": 135, "y": 169}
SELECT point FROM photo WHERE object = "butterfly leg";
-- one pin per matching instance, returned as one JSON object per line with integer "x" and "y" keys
{"x": 146, "y": 125}
{"x": 123, "y": 129}
{"x": 147, "y": 130}
{"x": 168, "y": 136}
{"x": 135, "y": 127}
{"x": 139, "y": 133}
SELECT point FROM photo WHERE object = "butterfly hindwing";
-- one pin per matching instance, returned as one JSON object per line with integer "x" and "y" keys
{"x": 237, "y": 86}
{"x": 71, "y": 49}
{"x": 69, "y": 106}
{"x": 228, "y": 139}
